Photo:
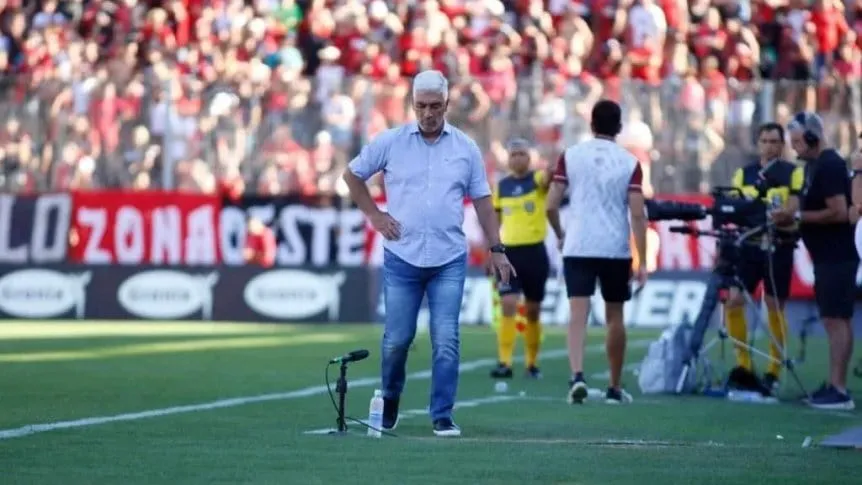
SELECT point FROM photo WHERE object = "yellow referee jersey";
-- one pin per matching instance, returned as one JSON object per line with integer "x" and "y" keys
{"x": 786, "y": 180}
{"x": 521, "y": 204}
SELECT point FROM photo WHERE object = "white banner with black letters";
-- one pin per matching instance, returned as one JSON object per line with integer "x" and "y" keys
{"x": 34, "y": 228}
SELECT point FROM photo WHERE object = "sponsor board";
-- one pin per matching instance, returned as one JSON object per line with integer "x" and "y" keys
{"x": 218, "y": 293}
{"x": 44, "y": 293}
{"x": 666, "y": 299}
{"x": 168, "y": 294}
{"x": 295, "y": 295}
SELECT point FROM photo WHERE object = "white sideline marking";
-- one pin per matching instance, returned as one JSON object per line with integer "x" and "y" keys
{"x": 412, "y": 413}
{"x": 32, "y": 429}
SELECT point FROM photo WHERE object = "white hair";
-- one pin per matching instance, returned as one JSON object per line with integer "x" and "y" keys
{"x": 518, "y": 144}
{"x": 431, "y": 82}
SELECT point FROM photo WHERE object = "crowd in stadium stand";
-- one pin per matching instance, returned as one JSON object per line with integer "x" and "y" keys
{"x": 274, "y": 96}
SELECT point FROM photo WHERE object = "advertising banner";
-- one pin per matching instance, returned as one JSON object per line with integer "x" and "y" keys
{"x": 141, "y": 228}
{"x": 174, "y": 229}
{"x": 310, "y": 231}
{"x": 669, "y": 298}
{"x": 216, "y": 293}
{"x": 34, "y": 228}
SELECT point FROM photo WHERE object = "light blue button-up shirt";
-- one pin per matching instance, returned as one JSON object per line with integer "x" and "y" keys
{"x": 426, "y": 184}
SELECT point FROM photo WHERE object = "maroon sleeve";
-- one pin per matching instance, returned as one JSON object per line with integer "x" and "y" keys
{"x": 637, "y": 179}
{"x": 560, "y": 174}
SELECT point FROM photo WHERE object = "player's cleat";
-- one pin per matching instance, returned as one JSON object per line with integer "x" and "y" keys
{"x": 742, "y": 379}
{"x": 617, "y": 396}
{"x": 390, "y": 414}
{"x": 446, "y": 428}
{"x": 502, "y": 371}
{"x": 770, "y": 381}
{"x": 533, "y": 372}
{"x": 832, "y": 399}
{"x": 578, "y": 391}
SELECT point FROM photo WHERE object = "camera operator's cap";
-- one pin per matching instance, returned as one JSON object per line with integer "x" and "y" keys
{"x": 518, "y": 144}
{"x": 809, "y": 122}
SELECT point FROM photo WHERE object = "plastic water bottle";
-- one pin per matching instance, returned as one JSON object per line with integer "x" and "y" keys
{"x": 375, "y": 414}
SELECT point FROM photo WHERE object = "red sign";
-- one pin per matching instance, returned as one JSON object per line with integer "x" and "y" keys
{"x": 160, "y": 228}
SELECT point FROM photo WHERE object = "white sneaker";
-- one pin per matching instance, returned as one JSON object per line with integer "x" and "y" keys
{"x": 578, "y": 393}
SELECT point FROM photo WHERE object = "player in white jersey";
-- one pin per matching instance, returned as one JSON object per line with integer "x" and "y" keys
{"x": 606, "y": 205}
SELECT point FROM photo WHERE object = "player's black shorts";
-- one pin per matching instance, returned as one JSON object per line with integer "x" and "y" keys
{"x": 754, "y": 268}
{"x": 835, "y": 288}
{"x": 533, "y": 267}
{"x": 612, "y": 275}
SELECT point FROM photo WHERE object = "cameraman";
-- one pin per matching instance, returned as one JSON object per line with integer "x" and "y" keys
{"x": 828, "y": 235}
{"x": 778, "y": 183}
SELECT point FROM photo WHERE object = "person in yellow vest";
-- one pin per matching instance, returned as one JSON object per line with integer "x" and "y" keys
{"x": 519, "y": 199}
{"x": 779, "y": 183}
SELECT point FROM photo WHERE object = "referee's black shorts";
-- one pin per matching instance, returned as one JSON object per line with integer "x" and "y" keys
{"x": 757, "y": 265}
{"x": 835, "y": 288}
{"x": 533, "y": 267}
{"x": 612, "y": 275}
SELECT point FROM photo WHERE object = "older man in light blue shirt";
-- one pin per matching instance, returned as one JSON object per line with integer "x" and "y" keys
{"x": 429, "y": 167}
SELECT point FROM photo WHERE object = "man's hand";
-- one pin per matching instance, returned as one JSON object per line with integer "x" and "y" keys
{"x": 782, "y": 217}
{"x": 386, "y": 225}
{"x": 502, "y": 267}
{"x": 640, "y": 275}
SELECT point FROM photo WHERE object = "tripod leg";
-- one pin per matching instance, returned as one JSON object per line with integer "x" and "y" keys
{"x": 701, "y": 325}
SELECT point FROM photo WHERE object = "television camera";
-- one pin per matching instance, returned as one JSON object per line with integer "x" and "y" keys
{"x": 737, "y": 221}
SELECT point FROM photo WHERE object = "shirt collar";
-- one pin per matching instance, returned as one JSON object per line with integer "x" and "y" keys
{"x": 447, "y": 128}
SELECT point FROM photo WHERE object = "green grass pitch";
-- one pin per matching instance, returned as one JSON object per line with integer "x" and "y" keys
{"x": 118, "y": 390}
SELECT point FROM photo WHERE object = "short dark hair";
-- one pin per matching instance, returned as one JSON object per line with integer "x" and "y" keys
{"x": 607, "y": 118}
{"x": 766, "y": 127}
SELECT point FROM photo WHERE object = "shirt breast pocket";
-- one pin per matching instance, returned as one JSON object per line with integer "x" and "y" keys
{"x": 453, "y": 172}
{"x": 404, "y": 176}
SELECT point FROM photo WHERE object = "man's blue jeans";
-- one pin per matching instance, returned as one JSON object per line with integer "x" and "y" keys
{"x": 404, "y": 285}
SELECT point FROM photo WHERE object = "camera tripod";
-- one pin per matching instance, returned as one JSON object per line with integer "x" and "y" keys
{"x": 724, "y": 277}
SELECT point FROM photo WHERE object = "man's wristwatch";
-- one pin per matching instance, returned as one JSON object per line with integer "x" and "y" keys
{"x": 498, "y": 248}
{"x": 797, "y": 216}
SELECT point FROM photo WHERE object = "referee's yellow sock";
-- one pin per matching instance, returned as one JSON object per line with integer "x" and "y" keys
{"x": 506, "y": 339}
{"x": 532, "y": 342}
{"x": 778, "y": 329}
{"x": 737, "y": 328}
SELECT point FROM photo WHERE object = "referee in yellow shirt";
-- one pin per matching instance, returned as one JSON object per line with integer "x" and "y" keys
{"x": 519, "y": 199}
{"x": 779, "y": 183}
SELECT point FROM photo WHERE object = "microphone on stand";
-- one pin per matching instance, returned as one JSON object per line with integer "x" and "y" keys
{"x": 341, "y": 386}
{"x": 354, "y": 356}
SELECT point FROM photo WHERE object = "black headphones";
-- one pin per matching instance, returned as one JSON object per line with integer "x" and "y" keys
{"x": 811, "y": 139}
